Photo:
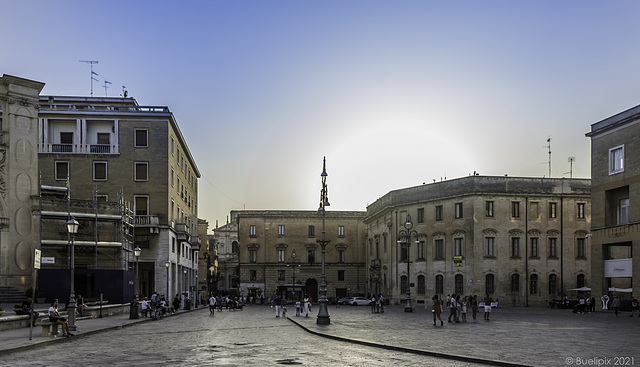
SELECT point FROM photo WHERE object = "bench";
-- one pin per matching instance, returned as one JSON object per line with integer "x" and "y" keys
{"x": 45, "y": 324}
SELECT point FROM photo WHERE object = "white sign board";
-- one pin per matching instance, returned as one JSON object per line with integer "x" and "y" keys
{"x": 619, "y": 268}
{"x": 36, "y": 260}
{"x": 48, "y": 260}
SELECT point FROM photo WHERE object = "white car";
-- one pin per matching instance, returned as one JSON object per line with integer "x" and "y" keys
{"x": 360, "y": 301}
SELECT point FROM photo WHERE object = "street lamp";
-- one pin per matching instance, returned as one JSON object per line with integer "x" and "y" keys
{"x": 323, "y": 312}
{"x": 186, "y": 280}
{"x": 136, "y": 253}
{"x": 404, "y": 235}
{"x": 293, "y": 262}
{"x": 72, "y": 229}
{"x": 166, "y": 265}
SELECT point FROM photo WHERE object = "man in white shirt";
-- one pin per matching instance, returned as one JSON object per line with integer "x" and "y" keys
{"x": 212, "y": 304}
{"x": 145, "y": 307}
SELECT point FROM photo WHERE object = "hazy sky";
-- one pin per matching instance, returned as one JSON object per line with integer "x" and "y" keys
{"x": 393, "y": 93}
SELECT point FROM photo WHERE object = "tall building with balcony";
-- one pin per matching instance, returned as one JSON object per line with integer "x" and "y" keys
{"x": 279, "y": 253}
{"x": 615, "y": 196}
{"x": 520, "y": 240}
{"x": 112, "y": 149}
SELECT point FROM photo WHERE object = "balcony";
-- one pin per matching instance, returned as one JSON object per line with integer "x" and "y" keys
{"x": 100, "y": 148}
{"x": 61, "y": 148}
{"x": 182, "y": 232}
{"x": 147, "y": 221}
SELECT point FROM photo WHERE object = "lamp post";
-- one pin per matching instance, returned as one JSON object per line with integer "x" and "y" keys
{"x": 136, "y": 253}
{"x": 186, "y": 280}
{"x": 293, "y": 262}
{"x": 323, "y": 312}
{"x": 406, "y": 234}
{"x": 166, "y": 265}
{"x": 72, "y": 228}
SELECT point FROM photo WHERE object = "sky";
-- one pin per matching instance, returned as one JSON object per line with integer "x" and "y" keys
{"x": 393, "y": 93}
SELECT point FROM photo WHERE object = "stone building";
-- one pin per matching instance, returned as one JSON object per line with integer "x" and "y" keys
{"x": 225, "y": 241}
{"x": 523, "y": 241}
{"x": 279, "y": 253}
{"x": 615, "y": 189}
{"x": 108, "y": 148}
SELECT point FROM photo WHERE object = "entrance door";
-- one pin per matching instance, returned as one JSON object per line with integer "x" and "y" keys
{"x": 311, "y": 286}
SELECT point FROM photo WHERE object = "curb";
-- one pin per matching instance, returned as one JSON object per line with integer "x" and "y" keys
{"x": 413, "y": 351}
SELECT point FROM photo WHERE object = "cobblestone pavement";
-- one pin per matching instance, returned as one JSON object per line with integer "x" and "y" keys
{"x": 519, "y": 336}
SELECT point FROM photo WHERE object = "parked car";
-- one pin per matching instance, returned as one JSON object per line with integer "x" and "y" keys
{"x": 345, "y": 300}
{"x": 360, "y": 301}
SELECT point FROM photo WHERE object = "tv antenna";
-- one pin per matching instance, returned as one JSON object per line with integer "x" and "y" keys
{"x": 91, "y": 62}
{"x": 571, "y": 160}
{"x": 549, "y": 148}
{"x": 124, "y": 92}
{"x": 105, "y": 86}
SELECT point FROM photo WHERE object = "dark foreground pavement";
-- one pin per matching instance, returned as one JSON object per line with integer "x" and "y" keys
{"x": 514, "y": 336}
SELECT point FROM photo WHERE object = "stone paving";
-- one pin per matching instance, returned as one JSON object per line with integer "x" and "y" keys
{"x": 515, "y": 336}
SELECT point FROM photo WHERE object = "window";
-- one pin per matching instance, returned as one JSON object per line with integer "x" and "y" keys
{"x": 403, "y": 284}
{"x": 141, "y": 171}
{"x": 312, "y": 231}
{"x": 140, "y": 137}
{"x": 99, "y": 171}
{"x": 581, "y": 247}
{"x": 253, "y": 256}
{"x": 311, "y": 256}
{"x": 340, "y": 231}
{"x": 142, "y": 241}
{"x": 252, "y": 230}
{"x": 281, "y": 230}
{"x": 623, "y": 211}
{"x": 458, "y": 210}
{"x": 173, "y": 245}
{"x": 280, "y": 255}
{"x": 280, "y": 275}
{"x": 515, "y": 209}
{"x": 66, "y": 138}
{"x": 341, "y": 275}
{"x": 341, "y": 255}
{"x": 439, "y": 284}
{"x": 404, "y": 251}
{"x": 489, "y": 208}
{"x": 489, "y": 246}
{"x": 580, "y": 281}
{"x": 421, "y": 254}
{"x": 515, "y": 246}
{"x": 489, "y": 285}
{"x": 141, "y": 204}
{"x": 102, "y": 198}
{"x": 421, "y": 215}
{"x": 438, "y": 212}
{"x": 172, "y": 175}
{"x": 459, "y": 245}
{"x": 553, "y": 210}
{"x": 459, "y": 284}
{"x": 172, "y": 142}
{"x": 553, "y": 247}
{"x": 62, "y": 170}
{"x": 533, "y": 284}
{"x": 104, "y": 138}
{"x": 515, "y": 283}
{"x": 580, "y": 211}
{"x": 439, "y": 250}
{"x": 552, "y": 284}
{"x": 421, "y": 285}
{"x": 253, "y": 275}
{"x": 534, "y": 247}
{"x": 616, "y": 160}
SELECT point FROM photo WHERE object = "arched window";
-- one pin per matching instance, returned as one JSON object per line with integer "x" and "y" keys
{"x": 421, "y": 284}
{"x": 403, "y": 284}
{"x": 552, "y": 284}
{"x": 580, "y": 282}
{"x": 439, "y": 284}
{"x": 533, "y": 284}
{"x": 489, "y": 286}
{"x": 515, "y": 283}
{"x": 459, "y": 284}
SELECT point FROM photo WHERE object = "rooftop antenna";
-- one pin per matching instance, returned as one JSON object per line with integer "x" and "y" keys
{"x": 549, "y": 148}
{"x": 105, "y": 86}
{"x": 92, "y": 73}
{"x": 571, "y": 160}
{"x": 124, "y": 92}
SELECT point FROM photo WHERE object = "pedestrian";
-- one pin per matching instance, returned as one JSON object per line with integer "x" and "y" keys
{"x": 373, "y": 304}
{"x": 592, "y": 305}
{"x": 277, "y": 302}
{"x": 176, "y": 303}
{"x": 381, "y": 299}
{"x": 487, "y": 308}
{"x": 465, "y": 303}
{"x": 615, "y": 304}
{"x": 474, "y": 308}
{"x": 219, "y": 302}
{"x": 458, "y": 308}
{"x": 284, "y": 311}
{"x": 451, "y": 301}
{"x": 212, "y": 305}
{"x": 437, "y": 310}
{"x": 298, "y": 307}
{"x": 307, "y": 302}
{"x": 581, "y": 305}
{"x": 634, "y": 307}
{"x": 145, "y": 307}
{"x": 448, "y": 301}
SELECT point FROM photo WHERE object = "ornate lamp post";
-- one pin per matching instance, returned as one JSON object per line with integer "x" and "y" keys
{"x": 166, "y": 265}
{"x": 404, "y": 236}
{"x": 136, "y": 253}
{"x": 72, "y": 228}
{"x": 294, "y": 262}
{"x": 323, "y": 312}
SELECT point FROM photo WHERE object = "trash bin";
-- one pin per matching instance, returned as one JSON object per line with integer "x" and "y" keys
{"x": 187, "y": 304}
{"x": 133, "y": 310}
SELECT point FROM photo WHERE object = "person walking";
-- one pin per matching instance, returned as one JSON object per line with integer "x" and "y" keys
{"x": 298, "y": 307}
{"x": 465, "y": 304}
{"x": 212, "y": 305}
{"x": 615, "y": 304}
{"x": 474, "y": 308}
{"x": 306, "y": 306}
{"x": 634, "y": 307}
{"x": 277, "y": 302}
{"x": 451, "y": 301}
{"x": 437, "y": 310}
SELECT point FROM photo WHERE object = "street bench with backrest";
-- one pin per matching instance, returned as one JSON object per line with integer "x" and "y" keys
{"x": 46, "y": 324}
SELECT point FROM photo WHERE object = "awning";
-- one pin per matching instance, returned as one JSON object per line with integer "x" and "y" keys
{"x": 581, "y": 289}
{"x": 621, "y": 290}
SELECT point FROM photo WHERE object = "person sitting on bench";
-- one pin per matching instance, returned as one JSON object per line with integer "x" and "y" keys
{"x": 54, "y": 316}
{"x": 27, "y": 309}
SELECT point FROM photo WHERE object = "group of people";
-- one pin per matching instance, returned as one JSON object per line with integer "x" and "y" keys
{"x": 159, "y": 301}
{"x": 585, "y": 305}
{"x": 377, "y": 303}
{"x": 303, "y": 305}
{"x": 458, "y": 307}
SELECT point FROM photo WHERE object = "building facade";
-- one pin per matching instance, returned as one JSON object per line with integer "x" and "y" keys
{"x": 279, "y": 253}
{"x": 615, "y": 191}
{"x": 522, "y": 241}
{"x": 108, "y": 148}
{"x": 225, "y": 241}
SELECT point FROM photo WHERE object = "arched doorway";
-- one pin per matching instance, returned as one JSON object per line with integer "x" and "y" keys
{"x": 311, "y": 286}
